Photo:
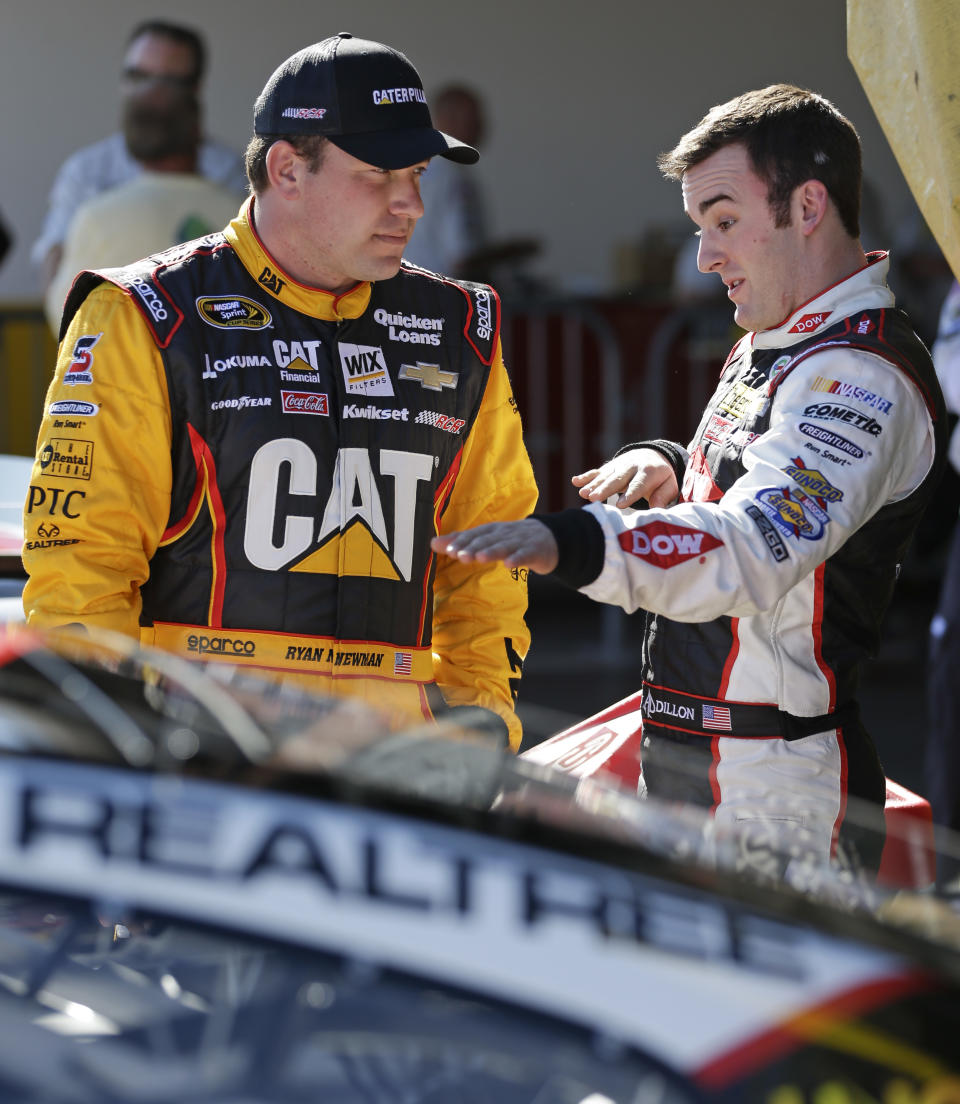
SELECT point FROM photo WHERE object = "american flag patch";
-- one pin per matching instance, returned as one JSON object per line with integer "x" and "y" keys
{"x": 716, "y": 716}
{"x": 402, "y": 663}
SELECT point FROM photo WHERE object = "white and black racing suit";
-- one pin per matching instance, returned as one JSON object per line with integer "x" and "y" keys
{"x": 767, "y": 582}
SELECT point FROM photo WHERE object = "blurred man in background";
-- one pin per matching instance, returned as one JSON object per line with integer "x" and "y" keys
{"x": 166, "y": 204}
{"x": 453, "y": 237}
{"x": 161, "y": 59}
{"x": 454, "y": 224}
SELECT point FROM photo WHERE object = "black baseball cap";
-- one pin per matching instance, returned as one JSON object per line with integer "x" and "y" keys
{"x": 365, "y": 97}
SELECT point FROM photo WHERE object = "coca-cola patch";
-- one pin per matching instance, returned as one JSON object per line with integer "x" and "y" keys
{"x": 305, "y": 402}
{"x": 665, "y": 545}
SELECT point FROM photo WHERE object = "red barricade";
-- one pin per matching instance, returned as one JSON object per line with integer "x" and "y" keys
{"x": 607, "y": 746}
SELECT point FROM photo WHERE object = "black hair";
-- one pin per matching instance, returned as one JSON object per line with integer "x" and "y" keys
{"x": 184, "y": 36}
{"x": 791, "y": 135}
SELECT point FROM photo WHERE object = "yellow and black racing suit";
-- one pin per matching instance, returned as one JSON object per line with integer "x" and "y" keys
{"x": 234, "y": 466}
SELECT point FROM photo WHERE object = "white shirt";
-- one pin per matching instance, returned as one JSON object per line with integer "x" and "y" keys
{"x": 104, "y": 165}
{"x": 147, "y": 214}
{"x": 452, "y": 224}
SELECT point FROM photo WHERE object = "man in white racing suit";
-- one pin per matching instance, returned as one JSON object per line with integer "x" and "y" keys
{"x": 769, "y": 552}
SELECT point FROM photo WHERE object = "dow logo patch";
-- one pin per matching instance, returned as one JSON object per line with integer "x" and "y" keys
{"x": 810, "y": 322}
{"x": 665, "y": 545}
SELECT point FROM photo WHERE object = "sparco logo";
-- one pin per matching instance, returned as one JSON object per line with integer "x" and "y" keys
{"x": 665, "y": 545}
{"x": 229, "y": 312}
{"x": 484, "y": 317}
{"x": 151, "y": 299}
{"x": 305, "y": 402}
{"x": 837, "y": 412}
{"x": 657, "y": 707}
{"x": 220, "y": 645}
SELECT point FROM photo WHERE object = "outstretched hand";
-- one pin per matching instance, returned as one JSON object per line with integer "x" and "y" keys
{"x": 527, "y": 543}
{"x": 641, "y": 473}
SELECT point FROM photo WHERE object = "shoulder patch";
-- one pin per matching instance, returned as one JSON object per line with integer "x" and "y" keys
{"x": 482, "y": 327}
{"x": 162, "y": 315}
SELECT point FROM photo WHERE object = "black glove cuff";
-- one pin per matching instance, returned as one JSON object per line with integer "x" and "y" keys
{"x": 579, "y": 538}
{"x": 669, "y": 450}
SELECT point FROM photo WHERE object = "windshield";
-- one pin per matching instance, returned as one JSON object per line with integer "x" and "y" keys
{"x": 131, "y": 1007}
{"x": 101, "y": 698}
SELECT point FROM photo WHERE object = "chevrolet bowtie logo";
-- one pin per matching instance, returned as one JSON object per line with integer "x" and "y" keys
{"x": 431, "y": 376}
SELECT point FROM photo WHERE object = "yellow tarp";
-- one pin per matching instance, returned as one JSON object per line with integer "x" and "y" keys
{"x": 907, "y": 56}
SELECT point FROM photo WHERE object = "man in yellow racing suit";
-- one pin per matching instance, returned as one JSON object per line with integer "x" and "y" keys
{"x": 251, "y": 439}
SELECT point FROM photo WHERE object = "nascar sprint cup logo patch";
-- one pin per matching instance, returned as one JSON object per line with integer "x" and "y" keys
{"x": 230, "y": 312}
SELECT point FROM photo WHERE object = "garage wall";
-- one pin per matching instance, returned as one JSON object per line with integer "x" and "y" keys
{"x": 580, "y": 102}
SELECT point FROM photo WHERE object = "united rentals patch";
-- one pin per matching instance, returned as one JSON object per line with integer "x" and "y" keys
{"x": 67, "y": 458}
